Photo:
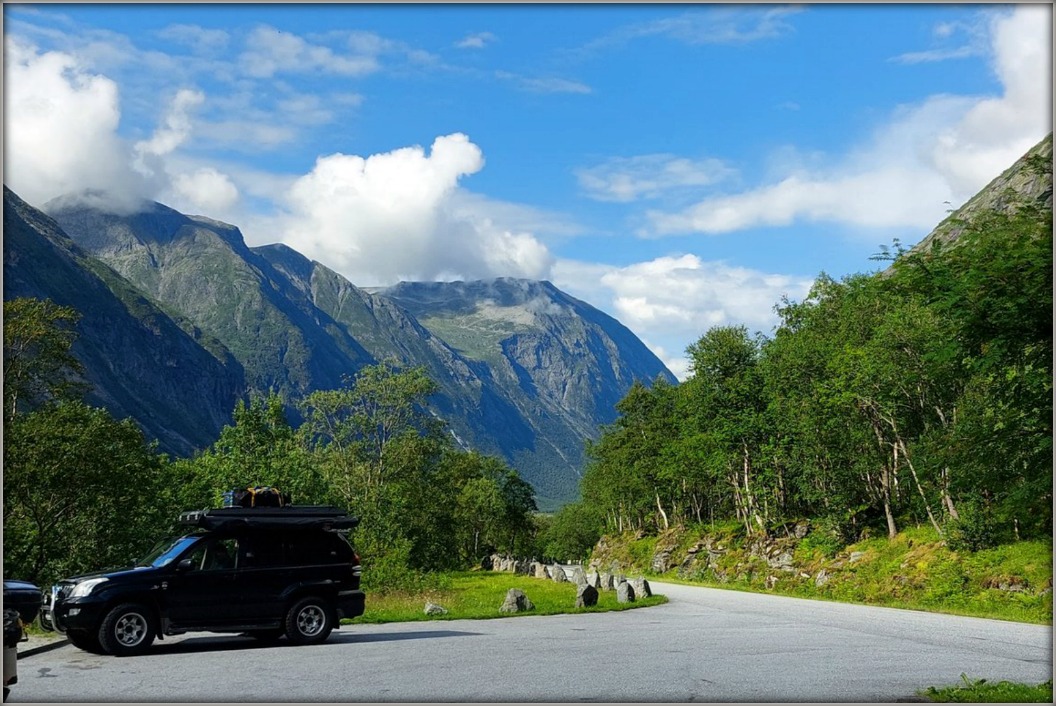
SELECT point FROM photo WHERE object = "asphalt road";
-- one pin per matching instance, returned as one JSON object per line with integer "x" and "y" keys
{"x": 705, "y": 645}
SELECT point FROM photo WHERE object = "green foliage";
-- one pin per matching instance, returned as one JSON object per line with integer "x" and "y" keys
{"x": 918, "y": 395}
{"x": 72, "y": 473}
{"x": 38, "y": 365}
{"x": 982, "y": 691}
{"x": 571, "y": 534}
{"x": 973, "y": 529}
{"x": 81, "y": 492}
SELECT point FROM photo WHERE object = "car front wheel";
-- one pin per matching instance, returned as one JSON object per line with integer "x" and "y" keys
{"x": 87, "y": 641}
{"x": 127, "y": 630}
{"x": 309, "y": 621}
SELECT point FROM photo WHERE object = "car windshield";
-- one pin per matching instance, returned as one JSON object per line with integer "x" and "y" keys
{"x": 164, "y": 552}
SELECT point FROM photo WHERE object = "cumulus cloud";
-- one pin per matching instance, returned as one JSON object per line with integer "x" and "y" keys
{"x": 204, "y": 191}
{"x": 395, "y": 215}
{"x": 625, "y": 179}
{"x": 61, "y": 130}
{"x": 175, "y": 127}
{"x": 928, "y": 156}
{"x": 673, "y": 300}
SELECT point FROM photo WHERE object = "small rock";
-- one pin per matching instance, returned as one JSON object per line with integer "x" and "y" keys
{"x": 434, "y": 609}
{"x": 855, "y": 556}
{"x": 605, "y": 582}
{"x": 821, "y": 579}
{"x": 586, "y": 596}
{"x": 538, "y": 570}
{"x": 558, "y": 574}
{"x": 624, "y": 593}
{"x": 516, "y": 602}
{"x": 641, "y": 587}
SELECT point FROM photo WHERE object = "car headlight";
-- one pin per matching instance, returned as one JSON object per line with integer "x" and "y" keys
{"x": 85, "y": 587}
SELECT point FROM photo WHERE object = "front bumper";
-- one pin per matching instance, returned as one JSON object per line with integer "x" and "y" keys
{"x": 62, "y": 615}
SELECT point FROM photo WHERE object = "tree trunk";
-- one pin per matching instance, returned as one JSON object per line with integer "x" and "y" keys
{"x": 662, "y": 513}
{"x": 927, "y": 505}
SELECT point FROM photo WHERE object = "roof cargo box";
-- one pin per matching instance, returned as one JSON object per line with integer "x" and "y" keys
{"x": 289, "y": 517}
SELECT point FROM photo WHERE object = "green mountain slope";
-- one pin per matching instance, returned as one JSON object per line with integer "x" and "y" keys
{"x": 203, "y": 270}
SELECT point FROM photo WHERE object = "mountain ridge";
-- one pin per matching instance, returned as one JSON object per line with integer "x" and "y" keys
{"x": 541, "y": 383}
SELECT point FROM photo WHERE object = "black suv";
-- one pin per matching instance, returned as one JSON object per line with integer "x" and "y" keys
{"x": 266, "y": 572}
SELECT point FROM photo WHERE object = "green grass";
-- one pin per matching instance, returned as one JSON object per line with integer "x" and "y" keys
{"x": 983, "y": 691}
{"x": 914, "y": 571}
{"x": 477, "y": 595}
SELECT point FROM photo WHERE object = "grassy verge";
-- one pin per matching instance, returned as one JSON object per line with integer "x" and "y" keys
{"x": 915, "y": 570}
{"x": 478, "y": 595}
{"x": 983, "y": 691}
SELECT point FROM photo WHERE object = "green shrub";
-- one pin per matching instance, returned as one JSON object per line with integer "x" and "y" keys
{"x": 974, "y": 529}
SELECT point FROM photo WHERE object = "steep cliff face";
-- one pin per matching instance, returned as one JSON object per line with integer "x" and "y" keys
{"x": 560, "y": 361}
{"x": 179, "y": 385}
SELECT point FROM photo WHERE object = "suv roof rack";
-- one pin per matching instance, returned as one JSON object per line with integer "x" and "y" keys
{"x": 290, "y": 517}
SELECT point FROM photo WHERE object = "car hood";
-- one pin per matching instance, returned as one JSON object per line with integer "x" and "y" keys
{"x": 112, "y": 573}
{"x": 16, "y": 585}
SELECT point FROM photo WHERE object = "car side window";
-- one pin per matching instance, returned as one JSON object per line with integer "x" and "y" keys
{"x": 214, "y": 555}
{"x": 261, "y": 552}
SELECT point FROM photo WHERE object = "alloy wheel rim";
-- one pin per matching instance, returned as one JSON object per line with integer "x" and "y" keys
{"x": 130, "y": 629}
{"x": 310, "y": 620}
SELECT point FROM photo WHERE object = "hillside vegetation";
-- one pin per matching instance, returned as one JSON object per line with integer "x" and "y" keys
{"x": 907, "y": 414}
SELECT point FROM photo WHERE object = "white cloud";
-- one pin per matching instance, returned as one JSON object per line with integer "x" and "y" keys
{"x": 942, "y": 150}
{"x": 175, "y": 127}
{"x": 671, "y": 301}
{"x": 61, "y": 130}
{"x": 476, "y": 41}
{"x": 270, "y": 51}
{"x": 396, "y": 215}
{"x": 625, "y": 179}
{"x": 204, "y": 192}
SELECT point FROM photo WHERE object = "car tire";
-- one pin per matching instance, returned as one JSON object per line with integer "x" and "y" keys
{"x": 309, "y": 621}
{"x": 87, "y": 641}
{"x": 127, "y": 630}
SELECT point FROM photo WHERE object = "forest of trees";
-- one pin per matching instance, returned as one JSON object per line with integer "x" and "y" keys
{"x": 83, "y": 491}
{"x": 919, "y": 395}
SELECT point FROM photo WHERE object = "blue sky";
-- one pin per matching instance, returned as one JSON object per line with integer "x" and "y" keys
{"x": 677, "y": 166}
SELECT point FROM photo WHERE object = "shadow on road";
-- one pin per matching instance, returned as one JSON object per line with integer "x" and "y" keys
{"x": 392, "y": 636}
{"x": 231, "y": 643}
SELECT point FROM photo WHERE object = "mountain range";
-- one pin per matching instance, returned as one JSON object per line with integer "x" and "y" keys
{"x": 181, "y": 319}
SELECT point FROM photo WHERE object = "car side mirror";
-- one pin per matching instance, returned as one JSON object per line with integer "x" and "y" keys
{"x": 185, "y": 565}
